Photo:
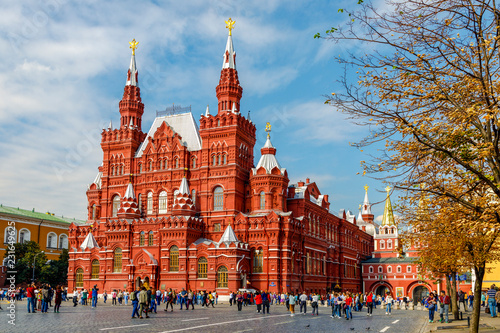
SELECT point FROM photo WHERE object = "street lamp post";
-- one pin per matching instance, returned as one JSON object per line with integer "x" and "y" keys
{"x": 34, "y": 260}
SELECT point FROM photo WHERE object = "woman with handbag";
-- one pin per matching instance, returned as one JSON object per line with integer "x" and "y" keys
{"x": 430, "y": 304}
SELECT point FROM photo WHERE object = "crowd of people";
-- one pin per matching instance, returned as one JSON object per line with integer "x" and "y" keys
{"x": 145, "y": 301}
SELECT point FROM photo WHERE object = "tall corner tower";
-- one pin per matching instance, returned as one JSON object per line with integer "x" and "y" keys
{"x": 228, "y": 139}
{"x": 386, "y": 241}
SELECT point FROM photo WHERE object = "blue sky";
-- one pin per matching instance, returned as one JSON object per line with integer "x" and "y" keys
{"x": 64, "y": 67}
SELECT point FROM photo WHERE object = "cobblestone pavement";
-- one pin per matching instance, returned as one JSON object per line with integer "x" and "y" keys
{"x": 222, "y": 318}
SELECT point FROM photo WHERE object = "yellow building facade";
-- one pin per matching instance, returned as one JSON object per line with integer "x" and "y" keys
{"x": 49, "y": 231}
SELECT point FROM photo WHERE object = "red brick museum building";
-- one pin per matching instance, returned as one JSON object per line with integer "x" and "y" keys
{"x": 185, "y": 206}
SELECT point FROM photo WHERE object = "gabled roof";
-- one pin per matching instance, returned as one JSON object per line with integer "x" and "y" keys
{"x": 183, "y": 124}
{"x": 89, "y": 242}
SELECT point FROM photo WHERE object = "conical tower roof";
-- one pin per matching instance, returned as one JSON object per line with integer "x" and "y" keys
{"x": 388, "y": 217}
{"x": 89, "y": 242}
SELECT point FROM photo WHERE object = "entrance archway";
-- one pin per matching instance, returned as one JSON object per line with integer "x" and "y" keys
{"x": 419, "y": 293}
{"x": 382, "y": 290}
{"x": 138, "y": 282}
{"x": 146, "y": 283}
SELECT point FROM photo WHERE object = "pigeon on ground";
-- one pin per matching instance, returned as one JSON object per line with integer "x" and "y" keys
{"x": 352, "y": 328}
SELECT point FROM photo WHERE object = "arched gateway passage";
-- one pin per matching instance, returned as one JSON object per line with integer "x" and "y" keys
{"x": 419, "y": 293}
{"x": 382, "y": 290}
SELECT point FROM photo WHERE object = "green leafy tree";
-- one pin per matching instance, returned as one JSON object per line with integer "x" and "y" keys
{"x": 24, "y": 255}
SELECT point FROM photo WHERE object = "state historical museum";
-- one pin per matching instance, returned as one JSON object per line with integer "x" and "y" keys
{"x": 184, "y": 206}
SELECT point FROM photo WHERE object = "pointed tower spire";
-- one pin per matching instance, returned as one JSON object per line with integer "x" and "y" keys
{"x": 183, "y": 203}
{"x": 229, "y": 54}
{"x": 131, "y": 107}
{"x": 89, "y": 242}
{"x": 207, "y": 111}
{"x": 132, "y": 75}
{"x": 229, "y": 91}
{"x": 388, "y": 217}
{"x": 110, "y": 127}
{"x": 128, "y": 206}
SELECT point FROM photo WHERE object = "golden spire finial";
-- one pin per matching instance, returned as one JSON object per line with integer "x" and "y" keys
{"x": 268, "y": 129}
{"x": 229, "y": 25}
{"x": 133, "y": 45}
{"x": 388, "y": 189}
{"x": 366, "y": 188}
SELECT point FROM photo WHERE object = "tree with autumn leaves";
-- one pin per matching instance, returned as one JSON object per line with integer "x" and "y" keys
{"x": 427, "y": 84}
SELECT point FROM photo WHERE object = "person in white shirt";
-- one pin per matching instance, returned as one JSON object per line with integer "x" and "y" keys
{"x": 303, "y": 302}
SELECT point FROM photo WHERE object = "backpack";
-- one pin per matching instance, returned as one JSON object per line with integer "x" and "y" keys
{"x": 133, "y": 296}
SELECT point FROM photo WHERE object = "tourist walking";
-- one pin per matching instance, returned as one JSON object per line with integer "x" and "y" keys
{"x": 430, "y": 304}
{"x": 369, "y": 304}
{"x": 30, "y": 294}
{"x": 113, "y": 297}
{"x": 258, "y": 301}
{"x": 444, "y": 304}
{"x": 388, "y": 304}
{"x": 314, "y": 304}
{"x": 104, "y": 296}
{"x": 143, "y": 302}
{"x": 348, "y": 306}
{"x": 291, "y": 304}
{"x": 75, "y": 298}
{"x": 58, "y": 299}
{"x": 303, "y": 302}
{"x": 95, "y": 292}
{"x": 265, "y": 302}
{"x": 490, "y": 300}
{"x": 135, "y": 303}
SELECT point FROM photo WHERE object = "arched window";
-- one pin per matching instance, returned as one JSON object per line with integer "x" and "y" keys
{"x": 140, "y": 168}
{"x": 408, "y": 269}
{"x": 389, "y": 244}
{"x": 218, "y": 198}
{"x": 380, "y": 269}
{"x": 10, "y": 232}
{"x": 24, "y": 236}
{"x": 308, "y": 263}
{"x": 370, "y": 269}
{"x": 222, "y": 277}
{"x": 52, "y": 240}
{"x": 174, "y": 259}
{"x": 93, "y": 211}
{"x": 162, "y": 203}
{"x": 63, "y": 241}
{"x": 382, "y": 245}
{"x": 214, "y": 160}
{"x": 117, "y": 261}
{"x": 116, "y": 205}
{"x": 219, "y": 158}
{"x": 139, "y": 202}
{"x": 202, "y": 268}
{"x": 399, "y": 269}
{"x": 193, "y": 162}
{"x": 141, "y": 239}
{"x": 258, "y": 261}
{"x": 262, "y": 200}
{"x": 389, "y": 269}
{"x": 79, "y": 278}
{"x": 193, "y": 197}
{"x": 122, "y": 169}
{"x": 150, "y": 238}
{"x": 95, "y": 269}
{"x": 161, "y": 164}
{"x": 150, "y": 165}
{"x": 149, "y": 204}
{"x": 176, "y": 162}
{"x": 224, "y": 159}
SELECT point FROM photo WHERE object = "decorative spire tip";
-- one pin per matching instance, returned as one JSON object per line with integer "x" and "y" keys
{"x": 133, "y": 46}
{"x": 229, "y": 25}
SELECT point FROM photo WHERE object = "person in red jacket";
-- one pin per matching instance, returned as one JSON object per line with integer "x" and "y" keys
{"x": 348, "y": 305}
{"x": 369, "y": 303}
{"x": 258, "y": 301}
{"x": 444, "y": 304}
{"x": 30, "y": 295}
